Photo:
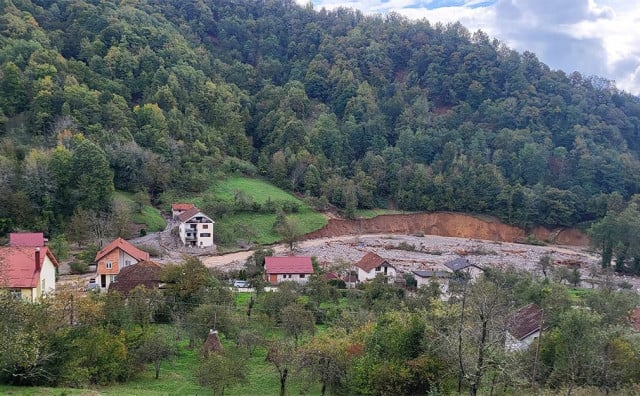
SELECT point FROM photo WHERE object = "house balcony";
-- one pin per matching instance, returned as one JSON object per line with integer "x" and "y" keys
{"x": 190, "y": 237}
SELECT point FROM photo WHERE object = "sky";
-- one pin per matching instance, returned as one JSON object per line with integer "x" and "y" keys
{"x": 593, "y": 37}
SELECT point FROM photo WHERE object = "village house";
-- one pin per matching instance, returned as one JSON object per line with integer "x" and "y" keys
{"x": 292, "y": 268}
{"x": 114, "y": 257}
{"x": 524, "y": 327}
{"x": 196, "y": 228}
{"x": 145, "y": 273}
{"x": 372, "y": 265}
{"x": 426, "y": 277}
{"x": 29, "y": 272}
{"x": 33, "y": 239}
{"x": 463, "y": 265}
{"x": 179, "y": 208}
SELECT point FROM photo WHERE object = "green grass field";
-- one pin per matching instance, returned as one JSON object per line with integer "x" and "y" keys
{"x": 259, "y": 190}
{"x": 371, "y": 213}
{"x": 149, "y": 216}
{"x": 257, "y": 227}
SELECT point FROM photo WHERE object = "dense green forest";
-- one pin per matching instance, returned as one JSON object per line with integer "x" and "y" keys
{"x": 165, "y": 96}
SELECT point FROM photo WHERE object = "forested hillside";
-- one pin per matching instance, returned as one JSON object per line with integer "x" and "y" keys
{"x": 164, "y": 95}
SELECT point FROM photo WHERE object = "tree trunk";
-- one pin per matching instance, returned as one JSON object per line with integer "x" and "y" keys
{"x": 324, "y": 389}
{"x": 283, "y": 381}
{"x": 478, "y": 374}
{"x": 460, "y": 365}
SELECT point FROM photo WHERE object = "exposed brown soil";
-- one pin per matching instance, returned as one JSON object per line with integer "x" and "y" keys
{"x": 448, "y": 225}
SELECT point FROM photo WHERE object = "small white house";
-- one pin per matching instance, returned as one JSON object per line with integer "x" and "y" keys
{"x": 196, "y": 228}
{"x": 372, "y": 265}
{"x": 292, "y": 268}
{"x": 463, "y": 265}
{"x": 524, "y": 327}
{"x": 426, "y": 277}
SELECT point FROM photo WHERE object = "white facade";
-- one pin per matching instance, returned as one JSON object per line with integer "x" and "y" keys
{"x": 298, "y": 278}
{"x": 197, "y": 231}
{"x": 443, "y": 283}
{"x": 513, "y": 344}
{"x": 384, "y": 269}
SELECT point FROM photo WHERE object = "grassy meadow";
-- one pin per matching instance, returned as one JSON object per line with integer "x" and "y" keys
{"x": 149, "y": 216}
{"x": 258, "y": 227}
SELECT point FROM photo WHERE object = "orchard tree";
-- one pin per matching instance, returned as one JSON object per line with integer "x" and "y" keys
{"x": 157, "y": 347}
{"x": 222, "y": 370}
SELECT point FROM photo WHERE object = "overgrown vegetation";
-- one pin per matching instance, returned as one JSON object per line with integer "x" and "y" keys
{"x": 314, "y": 338}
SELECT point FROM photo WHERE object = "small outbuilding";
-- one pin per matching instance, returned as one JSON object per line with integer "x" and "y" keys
{"x": 524, "y": 327}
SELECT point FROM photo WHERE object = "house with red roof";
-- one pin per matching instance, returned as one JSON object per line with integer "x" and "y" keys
{"x": 195, "y": 229}
{"x": 29, "y": 272}
{"x": 179, "y": 208}
{"x": 145, "y": 273}
{"x": 372, "y": 265}
{"x": 291, "y": 268}
{"x": 524, "y": 327}
{"x": 32, "y": 239}
{"x": 111, "y": 259}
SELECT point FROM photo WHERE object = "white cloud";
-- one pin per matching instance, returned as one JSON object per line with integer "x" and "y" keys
{"x": 591, "y": 36}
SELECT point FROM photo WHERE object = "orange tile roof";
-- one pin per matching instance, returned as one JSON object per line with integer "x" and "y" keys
{"x": 370, "y": 261}
{"x": 125, "y": 246}
{"x": 19, "y": 264}
{"x": 288, "y": 265}
{"x": 182, "y": 206}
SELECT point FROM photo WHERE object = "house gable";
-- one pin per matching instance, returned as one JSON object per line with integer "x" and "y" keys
{"x": 30, "y": 269}
{"x": 371, "y": 261}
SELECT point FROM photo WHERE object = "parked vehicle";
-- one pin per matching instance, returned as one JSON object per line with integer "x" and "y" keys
{"x": 240, "y": 283}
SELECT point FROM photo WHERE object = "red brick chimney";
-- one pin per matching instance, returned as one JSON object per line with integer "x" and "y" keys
{"x": 37, "y": 259}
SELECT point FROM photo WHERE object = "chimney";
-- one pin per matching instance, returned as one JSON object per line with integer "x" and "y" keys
{"x": 37, "y": 259}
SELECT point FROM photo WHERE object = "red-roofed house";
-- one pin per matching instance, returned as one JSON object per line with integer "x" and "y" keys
{"x": 114, "y": 257}
{"x": 28, "y": 272}
{"x": 371, "y": 265}
{"x": 179, "y": 208}
{"x": 196, "y": 228}
{"x": 292, "y": 268}
{"x": 524, "y": 327}
{"x": 32, "y": 239}
{"x": 144, "y": 273}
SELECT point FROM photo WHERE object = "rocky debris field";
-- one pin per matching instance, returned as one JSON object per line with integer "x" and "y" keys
{"x": 409, "y": 253}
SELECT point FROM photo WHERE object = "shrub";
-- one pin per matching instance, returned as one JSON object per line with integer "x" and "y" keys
{"x": 406, "y": 246}
{"x": 152, "y": 250}
{"x": 78, "y": 267}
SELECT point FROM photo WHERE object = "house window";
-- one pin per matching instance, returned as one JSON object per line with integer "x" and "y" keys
{"x": 15, "y": 293}
{"x": 112, "y": 278}
{"x": 205, "y": 226}
{"x": 42, "y": 286}
{"x": 302, "y": 276}
{"x": 109, "y": 265}
{"x": 205, "y": 235}
{"x": 127, "y": 263}
{"x": 378, "y": 268}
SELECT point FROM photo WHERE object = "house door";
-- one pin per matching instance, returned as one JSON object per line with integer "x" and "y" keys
{"x": 103, "y": 281}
